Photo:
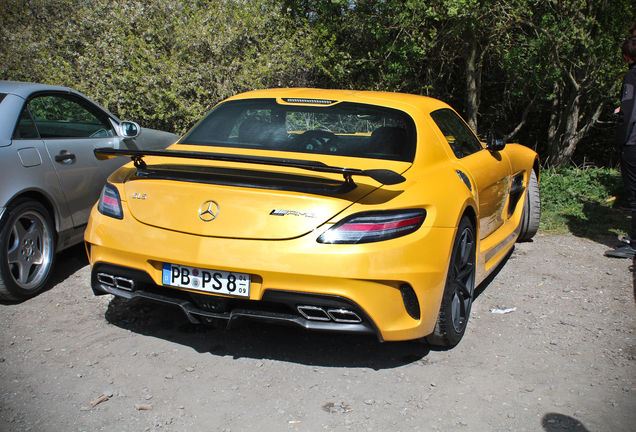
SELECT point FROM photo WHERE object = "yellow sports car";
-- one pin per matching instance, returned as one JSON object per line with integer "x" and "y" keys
{"x": 334, "y": 210}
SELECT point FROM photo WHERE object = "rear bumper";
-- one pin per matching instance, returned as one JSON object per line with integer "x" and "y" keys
{"x": 338, "y": 314}
{"x": 394, "y": 287}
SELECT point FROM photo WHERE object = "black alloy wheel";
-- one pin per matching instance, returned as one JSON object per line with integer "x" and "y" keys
{"x": 459, "y": 289}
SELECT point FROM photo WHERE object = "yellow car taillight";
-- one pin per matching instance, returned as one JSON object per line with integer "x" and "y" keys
{"x": 368, "y": 227}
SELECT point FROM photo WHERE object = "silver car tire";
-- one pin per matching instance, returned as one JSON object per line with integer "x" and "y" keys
{"x": 27, "y": 250}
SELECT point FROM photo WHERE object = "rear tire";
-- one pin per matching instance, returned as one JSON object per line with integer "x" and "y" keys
{"x": 27, "y": 250}
{"x": 458, "y": 291}
{"x": 531, "y": 210}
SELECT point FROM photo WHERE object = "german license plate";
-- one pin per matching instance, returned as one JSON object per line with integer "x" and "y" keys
{"x": 212, "y": 281}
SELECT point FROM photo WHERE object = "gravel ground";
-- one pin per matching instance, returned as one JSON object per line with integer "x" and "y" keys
{"x": 564, "y": 360}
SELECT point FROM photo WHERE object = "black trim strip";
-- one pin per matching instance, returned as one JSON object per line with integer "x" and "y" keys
{"x": 251, "y": 179}
{"x": 384, "y": 176}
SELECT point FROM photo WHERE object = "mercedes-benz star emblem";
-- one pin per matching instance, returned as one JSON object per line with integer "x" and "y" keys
{"x": 208, "y": 211}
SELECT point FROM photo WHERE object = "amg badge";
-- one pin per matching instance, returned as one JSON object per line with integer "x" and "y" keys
{"x": 277, "y": 212}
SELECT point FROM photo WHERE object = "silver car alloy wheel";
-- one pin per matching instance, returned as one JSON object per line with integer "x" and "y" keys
{"x": 29, "y": 249}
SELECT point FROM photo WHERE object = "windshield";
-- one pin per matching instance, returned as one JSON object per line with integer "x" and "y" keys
{"x": 347, "y": 129}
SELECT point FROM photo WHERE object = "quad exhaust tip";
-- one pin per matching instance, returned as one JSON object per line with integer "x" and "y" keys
{"x": 316, "y": 313}
{"x": 344, "y": 316}
{"x": 116, "y": 281}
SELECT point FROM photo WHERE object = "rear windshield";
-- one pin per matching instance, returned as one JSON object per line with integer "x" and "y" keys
{"x": 345, "y": 128}
{"x": 2, "y": 95}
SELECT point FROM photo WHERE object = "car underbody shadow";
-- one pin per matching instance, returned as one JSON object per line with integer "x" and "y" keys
{"x": 484, "y": 284}
{"x": 555, "y": 422}
{"x": 261, "y": 340}
{"x": 68, "y": 262}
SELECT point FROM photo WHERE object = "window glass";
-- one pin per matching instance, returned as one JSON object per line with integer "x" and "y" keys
{"x": 59, "y": 116}
{"x": 26, "y": 128}
{"x": 460, "y": 137}
{"x": 347, "y": 129}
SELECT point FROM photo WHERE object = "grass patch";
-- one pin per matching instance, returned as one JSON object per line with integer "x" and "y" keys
{"x": 583, "y": 202}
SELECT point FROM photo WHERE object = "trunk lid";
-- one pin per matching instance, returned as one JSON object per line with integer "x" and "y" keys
{"x": 242, "y": 201}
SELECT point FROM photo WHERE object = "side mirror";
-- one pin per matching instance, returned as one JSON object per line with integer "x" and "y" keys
{"x": 128, "y": 129}
{"x": 496, "y": 141}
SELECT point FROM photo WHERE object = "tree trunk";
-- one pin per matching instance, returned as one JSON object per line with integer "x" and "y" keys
{"x": 564, "y": 137}
{"x": 555, "y": 117}
{"x": 570, "y": 137}
{"x": 573, "y": 131}
{"x": 473, "y": 79}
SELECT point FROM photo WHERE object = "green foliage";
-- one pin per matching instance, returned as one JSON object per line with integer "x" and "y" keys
{"x": 541, "y": 68}
{"x": 584, "y": 202}
{"x": 568, "y": 54}
{"x": 162, "y": 63}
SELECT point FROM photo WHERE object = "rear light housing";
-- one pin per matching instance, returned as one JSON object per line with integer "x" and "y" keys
{"x": 109, "y": 202}
{"x": 369, "y": 227}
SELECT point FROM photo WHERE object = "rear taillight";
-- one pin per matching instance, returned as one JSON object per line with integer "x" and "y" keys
{"x": 377, "y": 226}
{"x": 109, "y": 202}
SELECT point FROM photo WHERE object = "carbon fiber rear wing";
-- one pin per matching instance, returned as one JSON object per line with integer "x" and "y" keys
{"x": 384, "y": 176}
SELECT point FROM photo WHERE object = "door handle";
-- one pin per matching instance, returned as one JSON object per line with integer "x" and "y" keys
{"x": 64, "y": 157}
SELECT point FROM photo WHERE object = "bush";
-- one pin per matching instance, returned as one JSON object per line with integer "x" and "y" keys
{"x": 584, "y": 202}
{"x": 161, "y": 63}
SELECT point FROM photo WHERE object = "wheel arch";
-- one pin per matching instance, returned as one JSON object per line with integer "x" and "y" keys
{"x": 41, "y": 198}
{"x": 470, "y": 212}
{"x": 536, "y": 167}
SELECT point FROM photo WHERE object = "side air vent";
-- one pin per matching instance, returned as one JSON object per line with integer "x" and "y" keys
{"x": 411, "y": 304}
{"x": 462, "y": 175}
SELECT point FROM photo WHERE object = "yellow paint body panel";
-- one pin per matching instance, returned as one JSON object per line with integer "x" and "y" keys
{"x": 282, "y": 253}
{"x": 367, "y": 274}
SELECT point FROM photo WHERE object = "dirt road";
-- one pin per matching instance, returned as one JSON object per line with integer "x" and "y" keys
{"x": 564, "y": 360}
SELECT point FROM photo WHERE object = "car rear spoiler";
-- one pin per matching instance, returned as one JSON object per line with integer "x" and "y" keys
{"x": 384, "y": 176}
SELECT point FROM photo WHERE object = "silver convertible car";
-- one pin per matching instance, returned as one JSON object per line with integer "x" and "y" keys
{"x": 49, "y": 176}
